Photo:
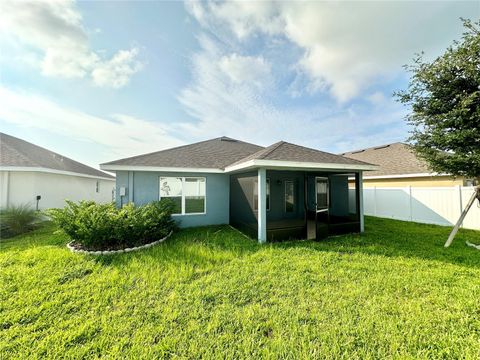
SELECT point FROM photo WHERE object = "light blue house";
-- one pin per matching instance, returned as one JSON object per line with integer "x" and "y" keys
{"x": 278, "y": 192}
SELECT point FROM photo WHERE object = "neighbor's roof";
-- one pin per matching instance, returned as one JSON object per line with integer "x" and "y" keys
{"x": 224, "y": 152}
{"x": 210, "y": 154}
{"x": 18, "y": 153}
{"x": 393, "y": 159}
{"x": 284, "y": 151}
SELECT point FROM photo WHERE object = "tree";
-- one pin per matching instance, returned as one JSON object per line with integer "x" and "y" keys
{"x": 444, "y": 96}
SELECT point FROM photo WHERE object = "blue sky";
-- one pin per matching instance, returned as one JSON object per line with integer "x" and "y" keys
{"x": 101, "y": 80}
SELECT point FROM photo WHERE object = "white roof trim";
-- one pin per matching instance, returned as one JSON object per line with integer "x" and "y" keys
{"x": 272, "y": 164}
{"x": 300, "y": 165}
{"x": 158, "y": 168}
{"x": 51, "y": 171}
{"x": 405, "y": 176}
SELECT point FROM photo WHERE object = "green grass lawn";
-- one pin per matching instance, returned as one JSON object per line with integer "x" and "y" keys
{"x": 393, "y": 292}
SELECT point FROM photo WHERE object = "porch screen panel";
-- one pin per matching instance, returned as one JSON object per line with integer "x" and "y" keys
{"x": 322, "y": 194}
{"x": 289, "y": 197}
{"x": 242, "y": 215}
{"x": 194, "y": 195}
{"x": 255, "y": 195}
{"x": 171, "y": 188}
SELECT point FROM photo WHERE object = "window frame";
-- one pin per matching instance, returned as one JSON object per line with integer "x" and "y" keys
{"x": 285, "y": 196}
{"x": 183, "y": 206}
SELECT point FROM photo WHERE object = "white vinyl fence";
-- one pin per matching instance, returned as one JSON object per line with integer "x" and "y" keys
{"x": 432, "y": 205}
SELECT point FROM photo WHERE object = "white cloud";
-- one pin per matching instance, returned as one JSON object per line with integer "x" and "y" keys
{"x": 117, "y": 71}
{"x": 120, "y": 134}
{"x": 376, "y": 98}
{"x": 246, "y": 112}
{"x": 68, "y": 62}
{"x": 245, "y": 69}
{"x": 54, "y": 28}
{"x": 346, "y": 45}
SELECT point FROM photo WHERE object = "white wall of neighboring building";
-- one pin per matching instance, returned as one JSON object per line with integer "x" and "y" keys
{"x": 22, "y": 187}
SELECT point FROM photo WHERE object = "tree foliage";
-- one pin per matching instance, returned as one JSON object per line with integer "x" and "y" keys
{"x": 444, "y": 96}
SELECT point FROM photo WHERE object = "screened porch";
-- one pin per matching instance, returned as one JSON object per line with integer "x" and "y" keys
{"x": 298, "y": 204}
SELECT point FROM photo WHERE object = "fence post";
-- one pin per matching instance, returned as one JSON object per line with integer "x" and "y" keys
{"x": 459, "y": 188}
{"x": 410, "y": 202}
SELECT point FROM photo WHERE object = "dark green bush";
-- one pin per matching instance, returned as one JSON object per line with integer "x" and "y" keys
{"x": 103, "y": 226}
{"x": 17, "y": 219}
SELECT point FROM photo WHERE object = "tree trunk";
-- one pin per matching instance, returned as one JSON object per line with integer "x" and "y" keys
{"x": 475, "y": 195}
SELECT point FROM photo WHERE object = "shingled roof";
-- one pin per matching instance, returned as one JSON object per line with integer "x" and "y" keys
{"x": 210, "y": 154}
{"x": 284, "y": 151}
{"x": 224, "y": 152}
{"x": 15, "y": 152}
{"x": 393, "y": 159}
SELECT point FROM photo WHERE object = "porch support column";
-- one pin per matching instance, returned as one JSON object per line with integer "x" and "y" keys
{"x": 360, "y": 201}
{"x": 262, "y": 205}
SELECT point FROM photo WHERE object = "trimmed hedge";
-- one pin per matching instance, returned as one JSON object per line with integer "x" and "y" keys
{"x": 104, "y": 227}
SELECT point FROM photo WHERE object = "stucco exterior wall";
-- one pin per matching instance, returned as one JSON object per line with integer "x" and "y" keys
{"x": 22, "y": 187}
{"x": 143, "y": 187}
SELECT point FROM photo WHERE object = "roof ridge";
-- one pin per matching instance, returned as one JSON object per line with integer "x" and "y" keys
{"x": 263, "y": 153}
{"x": 374, "y": 147}
{"x": 178, "y": 147}
{"x": 328, "y": 153}
{"x": 271, "y": 149}
{"x": 308, "y": 148}
{"x": 158, "y": 151}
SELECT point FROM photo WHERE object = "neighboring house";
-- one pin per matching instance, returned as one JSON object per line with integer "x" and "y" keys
{"x": 404, "y": 188}
{"x": 400, "y": 167}
{"x": 30, "y": 174}
{"x": 282, "y": 191}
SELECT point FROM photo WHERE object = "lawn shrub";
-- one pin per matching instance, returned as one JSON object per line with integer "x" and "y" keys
{"x": 103, "y": 226}
{"x": 17, "y": 219}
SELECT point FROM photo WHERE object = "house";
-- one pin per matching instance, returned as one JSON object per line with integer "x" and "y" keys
{"x": 30, "y": 174}
{"x": 404, "y": 188}
{"x": 281, "y": 191}
{"x": 400, "y": 167}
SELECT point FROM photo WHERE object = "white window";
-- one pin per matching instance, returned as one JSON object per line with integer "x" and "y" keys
{"x": 194, "y": 192}
{"x": 289, "y": 196}
{"x": 171, "y": 188}
{"x": 255, "y": 195}
{"x": 187, "y": 193}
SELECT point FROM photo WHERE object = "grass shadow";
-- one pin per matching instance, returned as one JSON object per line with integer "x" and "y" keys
{"x": 197, "y": 246}
{"x": 44, "y": 235}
